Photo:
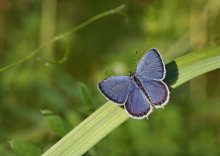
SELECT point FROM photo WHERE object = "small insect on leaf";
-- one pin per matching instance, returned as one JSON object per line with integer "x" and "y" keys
{"x": 142, "y": 91}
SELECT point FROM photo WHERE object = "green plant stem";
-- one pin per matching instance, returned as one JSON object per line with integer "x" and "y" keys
{"x": 109, "y": 116}
{"x": 117, "y": 10}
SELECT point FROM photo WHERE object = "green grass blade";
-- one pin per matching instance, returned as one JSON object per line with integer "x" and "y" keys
{"x": 191, "y": 65}
{"x": 90, "y": 131}
{"x": 110, "y": 116}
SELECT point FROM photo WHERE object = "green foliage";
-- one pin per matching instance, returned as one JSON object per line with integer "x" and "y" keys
{"x": 23, "y": 148}
{"x": 63, "y": 76}
{"x": 59, "y": 126}
{"x": 64, "y": 36}
{"x": 86, "y": 96}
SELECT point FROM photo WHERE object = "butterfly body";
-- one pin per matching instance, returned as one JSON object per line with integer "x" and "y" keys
{"x": 141, "y": 91}
{"x": 139, "y": 84}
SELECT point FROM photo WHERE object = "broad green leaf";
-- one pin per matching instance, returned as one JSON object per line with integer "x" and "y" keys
{"x": 194, "y": 64}
{"x": 56, "y": 123}
{"x": 110, "y": 116}
{"x": 23, "y": 148}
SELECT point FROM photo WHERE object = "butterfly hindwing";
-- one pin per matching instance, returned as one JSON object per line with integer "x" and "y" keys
{"x": 157, "y": 91}
{"x": 116, "y": 88}
{"x": 137, "y": 105}
{"x": 151, "y": 66}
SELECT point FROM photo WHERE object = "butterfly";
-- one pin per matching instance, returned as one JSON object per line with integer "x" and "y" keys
{"x": 142, "y": 91}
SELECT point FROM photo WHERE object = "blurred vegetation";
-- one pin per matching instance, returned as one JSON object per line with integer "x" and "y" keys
{"x": 34, "y": 91}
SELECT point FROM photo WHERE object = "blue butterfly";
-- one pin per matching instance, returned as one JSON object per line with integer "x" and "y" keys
{"x": 141, "y": 91}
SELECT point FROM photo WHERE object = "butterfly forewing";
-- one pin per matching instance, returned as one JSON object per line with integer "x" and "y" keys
{"x": 151, "y": 66}
{"x": 137, "y": 105}
{"x": 116, "y": 88}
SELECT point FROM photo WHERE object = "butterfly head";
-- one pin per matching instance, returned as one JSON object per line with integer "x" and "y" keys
{"x": 131, "y": 74}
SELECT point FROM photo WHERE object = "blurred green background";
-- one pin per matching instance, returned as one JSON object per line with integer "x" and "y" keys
{"x": 190, "y": 123}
